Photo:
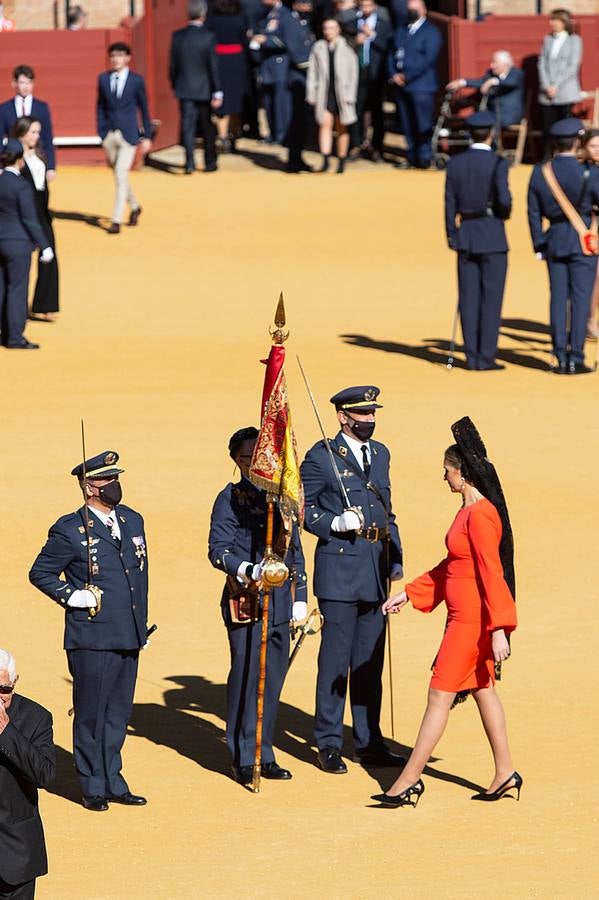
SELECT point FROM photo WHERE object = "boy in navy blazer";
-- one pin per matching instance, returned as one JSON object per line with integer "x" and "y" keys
{"x": 122, "y": 107}
{"x": 25, "y": 104}
{"x": 412, "y": 68}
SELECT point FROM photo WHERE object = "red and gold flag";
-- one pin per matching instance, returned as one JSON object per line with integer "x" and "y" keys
{"x": 275, "y": 465}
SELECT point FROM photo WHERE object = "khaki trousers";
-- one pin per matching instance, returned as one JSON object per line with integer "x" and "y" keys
{"x": 120, "y": 156}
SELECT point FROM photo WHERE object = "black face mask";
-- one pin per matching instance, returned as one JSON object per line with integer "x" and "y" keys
{"x": 413, "y": 16}
{"x": 362, "y": 430}
{"x": 110, "y": 493}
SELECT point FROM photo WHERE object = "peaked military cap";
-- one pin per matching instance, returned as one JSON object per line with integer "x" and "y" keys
{"x": 101, "y": 466}
{"x": 481, "y": 119}
{"x": 362, "y": 398}
{"x": 566, "y": 128}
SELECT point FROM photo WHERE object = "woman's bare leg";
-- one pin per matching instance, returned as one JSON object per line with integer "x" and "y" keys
{"x": 342, "y": 140}
{"x": 222, "y": 126}
{"x": 325, "y": 134}
{"x": 431, "y": 730}
{"x": 493, "y": 719}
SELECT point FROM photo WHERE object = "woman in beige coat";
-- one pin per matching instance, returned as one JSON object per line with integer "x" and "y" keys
{"x": 332, "y": 89}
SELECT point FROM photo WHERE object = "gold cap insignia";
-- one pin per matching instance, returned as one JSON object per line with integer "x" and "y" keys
{"x": 369, "y": 394}
{"x": 343, "y": 451}
{"x": 110, "y": 459}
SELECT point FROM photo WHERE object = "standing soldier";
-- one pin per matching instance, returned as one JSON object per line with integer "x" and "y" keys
{"x": 572, "y": 269}
{"x": 271, "y": 51}
{"x": 299, "y": 38}
{"x": 236, "y": 546}
{"x": 477, "y": 192}
{"x": 105, "y": 621}
{"x": 358, "y": 551}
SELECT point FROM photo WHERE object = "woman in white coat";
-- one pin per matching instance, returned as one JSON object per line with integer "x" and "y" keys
{"x": 559, "y": 67}
{"x": 332, "y": 89}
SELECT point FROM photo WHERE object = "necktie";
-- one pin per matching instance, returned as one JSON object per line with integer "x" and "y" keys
{"x": 114, "y": 84}
{"x": 110, "y": 525}
{"x": 23, "y": 113}
{"x": 365, "y": 462}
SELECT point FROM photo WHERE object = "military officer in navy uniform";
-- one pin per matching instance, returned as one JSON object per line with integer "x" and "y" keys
{"x": 571, "y": 272}
{"x": 298, "y": 37}
{"x": 236, "y": 546}
{"x": 477, "y": 203}
{"x": 358, "y": 551}
{"x": 271, "y": 51}
{"x": 102, "y": 640}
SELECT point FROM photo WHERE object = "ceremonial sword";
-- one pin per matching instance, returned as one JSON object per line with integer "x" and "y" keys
{"x": 95, "y": 590}
{"x": 312, "y": 625}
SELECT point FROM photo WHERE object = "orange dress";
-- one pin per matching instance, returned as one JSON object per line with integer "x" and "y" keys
{"x": 470, "y": 581}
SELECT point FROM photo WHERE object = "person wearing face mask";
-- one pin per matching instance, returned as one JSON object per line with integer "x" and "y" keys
{"x": 102, "y": 642}
{"x": 359, "y": 551}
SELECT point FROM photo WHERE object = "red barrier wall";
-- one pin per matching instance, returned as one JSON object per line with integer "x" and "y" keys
{"x": 66, "y": 66}
{"x": 471, "y": 45}
{"x": 167, "y": 16}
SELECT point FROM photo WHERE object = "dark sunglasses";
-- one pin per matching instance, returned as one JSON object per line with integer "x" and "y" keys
{"x": 6, "y": 688}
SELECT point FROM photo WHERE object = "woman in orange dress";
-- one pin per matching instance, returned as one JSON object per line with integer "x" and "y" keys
{"x": 473, "y": 582}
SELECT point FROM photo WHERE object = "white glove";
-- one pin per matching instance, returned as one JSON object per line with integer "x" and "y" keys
{"x": 347, "y": 521}
{"x": 47, "y": 255}
{"x": 257, "y": 571}
{"x": 300, "y": 610}
{"x": 255, "y": 575}
{"x": 82, "y": 600}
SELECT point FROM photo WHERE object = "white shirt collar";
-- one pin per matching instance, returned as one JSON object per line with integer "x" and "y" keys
{"x": 479, "y": 146}
{"x": 356, "y": 448}
{"x": 19, "y": 104}
{"x": 414, "y": 26}
{"x": 103, "y": 517}
{"x": 12, "y": 169}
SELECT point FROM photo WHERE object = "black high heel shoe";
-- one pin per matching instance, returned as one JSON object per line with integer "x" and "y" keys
{"x": 325, "y": 162}
{"x": 409, "y": 797}
{"x": 502, "y": 789}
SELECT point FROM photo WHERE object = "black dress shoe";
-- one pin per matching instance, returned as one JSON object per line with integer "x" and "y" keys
{"x": 96, "y": 804}
{"x": 329, "y": 760}
{"x": 494, "y": 367}
{"x": 115, "y": 228}
{"x": 560, "y": 369}
{"x": 296, "y": 168}
{"x": 189, "y": 170}
{"x": 379, "y": 756}
{"x": 577, "y": 368}
{"x": 134, "y": 216}
{"x": 127, "y": 799}
{"x": 274, "y": 771}
{"x": 212, "y": 168}
{"x": 242, "y": 774}
{"x": 23, "y": 345}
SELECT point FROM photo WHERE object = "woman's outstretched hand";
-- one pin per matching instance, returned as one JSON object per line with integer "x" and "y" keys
{"x": 501, "y": 648}
{"x": 395, "y": 603}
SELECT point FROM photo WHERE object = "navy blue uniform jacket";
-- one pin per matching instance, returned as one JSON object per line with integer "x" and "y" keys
{"x": 273, "y": 54}
{"x": 121, "y": 624}
{"x": 476, "y": 180}
{"x": 18, "y": 216}
{"x": 348, "y": 567}
{"x": 237, "y": 535}
{"x": 125, "y": 113}
{"x": 39, "y": 111}
{"x": 560, "y": 239}
{"x": 506, "y": 100}
{"x": 416, "y": 57}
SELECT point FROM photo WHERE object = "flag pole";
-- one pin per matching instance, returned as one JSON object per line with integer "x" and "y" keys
{"x": 274, "y": 573}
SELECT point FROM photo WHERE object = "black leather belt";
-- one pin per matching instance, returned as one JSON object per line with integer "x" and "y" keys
{"x": 554, "y": 220}
{"x": 477, "y": 214}
{"x": 372, "y": 534}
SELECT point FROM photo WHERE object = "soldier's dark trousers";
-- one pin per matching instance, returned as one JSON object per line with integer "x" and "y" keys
{"x": 277, "y": 106}
{"x": 15, "y": 264}
{"x": 352, "y": 640}
{"x": 242, "y": 689}
{"x": 571, "y": 279}
{"x": 298, "y": 122}
{"x": 103, "y": 688}
{"x": 481, "y": 282}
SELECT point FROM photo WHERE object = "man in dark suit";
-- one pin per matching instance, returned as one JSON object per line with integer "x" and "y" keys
{"x": 373, "y": 35}
{"x": 236, "y": 546}
{"x": 25, "y": 104}
{"x": 193, "y": 73}
{"x": 412, "y": 68}
{"x": 298, "y": 38}
{"x": 20, "y": 233}
{"x": 503, "y": 87}
{"x": 105, "y": 599}
{"x": 27, "y": 762}
{"x": 123, "y": 121}
{"x": 571, "y": 272}
{"x": 358, "y": 552}
{"x": 273, "y": 55}
{"x": 477, "y": 202}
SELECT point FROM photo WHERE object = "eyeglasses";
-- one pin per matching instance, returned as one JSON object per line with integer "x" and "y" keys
{"x": 6, "y": 688}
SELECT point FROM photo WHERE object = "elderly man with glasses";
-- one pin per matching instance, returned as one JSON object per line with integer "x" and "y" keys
{"x": 27, "y": 762}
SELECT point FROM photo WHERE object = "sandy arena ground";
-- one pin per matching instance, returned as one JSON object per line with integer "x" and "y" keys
{"x": 158, "y": 346}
